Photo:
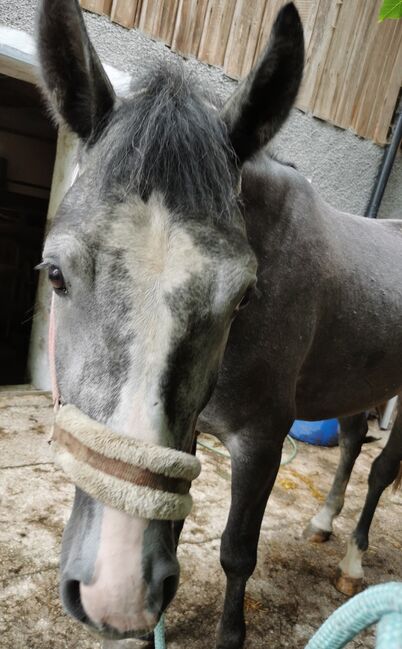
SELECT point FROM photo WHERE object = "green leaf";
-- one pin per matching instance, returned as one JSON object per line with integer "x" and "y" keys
{"x": 390, "y": 9}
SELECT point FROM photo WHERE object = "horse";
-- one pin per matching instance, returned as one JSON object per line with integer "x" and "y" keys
{"x": 199, "y": 284}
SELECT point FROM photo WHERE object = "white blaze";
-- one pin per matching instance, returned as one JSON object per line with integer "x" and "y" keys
{"x": 161, "y": 256}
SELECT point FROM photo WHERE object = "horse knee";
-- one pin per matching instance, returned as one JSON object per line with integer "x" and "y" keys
{"x": 237, "y": 556}
{"x": 353, "y": 429}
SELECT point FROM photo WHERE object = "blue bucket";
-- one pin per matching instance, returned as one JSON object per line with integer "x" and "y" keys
{"x": 320, "y": 433}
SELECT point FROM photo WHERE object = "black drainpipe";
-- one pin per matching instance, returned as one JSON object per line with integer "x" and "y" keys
{"x": 385, "y": 168}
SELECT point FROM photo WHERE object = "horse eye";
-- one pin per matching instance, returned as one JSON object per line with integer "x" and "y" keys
{"x": 56, "y": 279}
{"x": 245, "y": 299}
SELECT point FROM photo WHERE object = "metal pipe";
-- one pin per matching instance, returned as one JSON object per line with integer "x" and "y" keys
{"x": 385, "y": 169}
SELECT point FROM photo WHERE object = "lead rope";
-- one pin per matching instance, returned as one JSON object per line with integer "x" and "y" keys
{"x": 159, "y": 634}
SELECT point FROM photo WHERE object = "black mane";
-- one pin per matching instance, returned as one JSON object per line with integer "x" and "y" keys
{"x": 168, "y": 137}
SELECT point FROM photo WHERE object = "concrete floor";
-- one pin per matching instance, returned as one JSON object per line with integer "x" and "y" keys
{"x": 288, "y": 597}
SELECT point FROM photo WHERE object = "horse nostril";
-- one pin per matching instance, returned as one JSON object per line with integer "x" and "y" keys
{"x": 71, "y": 598}
{"x": 169, "y": 590}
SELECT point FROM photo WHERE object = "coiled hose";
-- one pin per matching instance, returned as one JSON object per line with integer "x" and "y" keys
{"x": 382, "y": 604}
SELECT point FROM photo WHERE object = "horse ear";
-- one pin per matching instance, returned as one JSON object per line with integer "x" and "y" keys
{"x": 262, "y": 101}
{"x": 77, "y": 87}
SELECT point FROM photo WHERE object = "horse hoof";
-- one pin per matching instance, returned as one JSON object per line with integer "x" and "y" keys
{"x": 315, "y": 535}
{"x": 349, "y": 586}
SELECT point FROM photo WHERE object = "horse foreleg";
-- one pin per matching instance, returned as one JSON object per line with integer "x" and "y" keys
{"x": 384, "y": 471}
{"x": 351, "y": 436}
{"x": 254, "y": 469}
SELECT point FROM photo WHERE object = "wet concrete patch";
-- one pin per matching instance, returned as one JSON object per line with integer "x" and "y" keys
{"x": 288, "y": 597}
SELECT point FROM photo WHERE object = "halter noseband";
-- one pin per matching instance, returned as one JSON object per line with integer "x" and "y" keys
{"x": 142, "y": 479}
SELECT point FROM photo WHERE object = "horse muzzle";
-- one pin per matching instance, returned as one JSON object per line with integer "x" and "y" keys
{"x": 142, "y": 479}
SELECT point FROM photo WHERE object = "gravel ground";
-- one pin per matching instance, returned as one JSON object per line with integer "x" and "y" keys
{"x": 288, "y": 597}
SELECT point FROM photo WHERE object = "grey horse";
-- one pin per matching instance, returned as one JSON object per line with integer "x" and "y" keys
{"x": 177, "y": 222}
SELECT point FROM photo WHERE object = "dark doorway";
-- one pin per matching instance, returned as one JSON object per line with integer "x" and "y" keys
{"x": 27, "y": 152}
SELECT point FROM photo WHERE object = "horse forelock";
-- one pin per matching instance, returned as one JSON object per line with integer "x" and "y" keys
{"x": 167, "y": 137}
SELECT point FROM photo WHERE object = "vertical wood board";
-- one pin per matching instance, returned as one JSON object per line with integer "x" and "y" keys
{"x": 216, "y": 30}
{"x": 355, "y": 65}
{"x": 243, "y": 37}
{"x": 158, "y": 18}
{"x": 102, "y": 7}
{"x": 345, "y": 33}
{"x": 389, "y": 100}
{"x": 381, "y": 78}
{"x": 189, "y": 26}
{"x": 126, "y": 12}
{"x": 322, "y": 24}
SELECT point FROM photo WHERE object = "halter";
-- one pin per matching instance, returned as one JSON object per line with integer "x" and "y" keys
{"x": 142, "y": 479}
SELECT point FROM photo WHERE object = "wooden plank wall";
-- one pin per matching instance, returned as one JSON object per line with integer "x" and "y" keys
{"x": 353, "y": 72}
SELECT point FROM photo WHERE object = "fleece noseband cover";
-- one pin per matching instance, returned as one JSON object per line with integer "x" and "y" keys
{"x": 144, "y": 480}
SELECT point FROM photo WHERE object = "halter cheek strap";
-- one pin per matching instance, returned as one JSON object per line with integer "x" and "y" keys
{"x": 52, "y": 357}
{"x": 144, "y": 480}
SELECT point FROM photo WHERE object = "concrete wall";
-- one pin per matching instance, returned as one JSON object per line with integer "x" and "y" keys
{"x": 342, "y": 166}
